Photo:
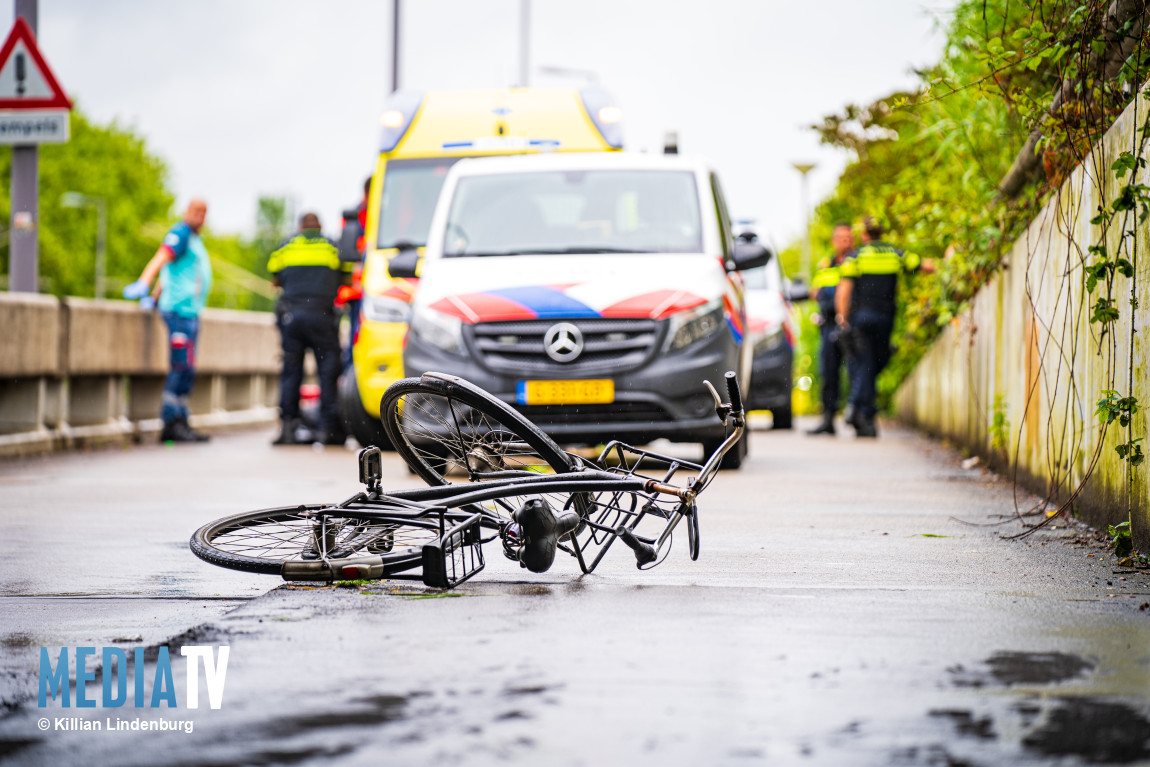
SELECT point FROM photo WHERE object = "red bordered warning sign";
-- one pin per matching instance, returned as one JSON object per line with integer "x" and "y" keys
{"x": 26, "y": 82}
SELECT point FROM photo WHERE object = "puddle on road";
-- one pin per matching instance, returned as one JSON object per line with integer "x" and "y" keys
{"x": 1030, "y": 668}
{"x": 1098, "y": 731}
{"x": 1092, "y": 728}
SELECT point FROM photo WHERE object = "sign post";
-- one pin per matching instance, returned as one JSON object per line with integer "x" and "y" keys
{"x": 33, "y": 111}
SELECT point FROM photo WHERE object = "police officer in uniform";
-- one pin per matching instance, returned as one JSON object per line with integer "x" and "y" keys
{"x": 308, "y": 270}
{"x": 865, "y": 306}
{"x": 824, "y": 283}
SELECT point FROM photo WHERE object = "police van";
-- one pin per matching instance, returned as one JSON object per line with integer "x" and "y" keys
{"x": 424, "y": 135}
{"x": 592, "y": 292}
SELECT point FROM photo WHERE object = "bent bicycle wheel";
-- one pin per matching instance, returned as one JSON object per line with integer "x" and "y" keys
{"x": 448, "y": 429}
{"x": 262, "y": 541}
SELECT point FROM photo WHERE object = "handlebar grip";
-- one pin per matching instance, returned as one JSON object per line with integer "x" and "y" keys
{"x": 733, "y": 391}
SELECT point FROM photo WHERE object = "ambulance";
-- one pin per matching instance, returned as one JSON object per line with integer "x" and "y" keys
{"x": 424, "y": 135}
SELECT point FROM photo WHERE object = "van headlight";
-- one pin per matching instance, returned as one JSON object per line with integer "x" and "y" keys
{"x": 384, "y": 309}
{"x": 439, "y": 330}
{"x": 770, "y": 341}
{"x": 694, "y": 325}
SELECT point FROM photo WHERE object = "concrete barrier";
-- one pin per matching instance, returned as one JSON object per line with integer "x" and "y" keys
{"x": 77, "y": 371}
{"x": 1017, "y": 377}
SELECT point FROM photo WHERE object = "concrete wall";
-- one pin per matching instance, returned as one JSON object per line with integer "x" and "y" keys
{"x": 78, "y": 371}
{"x": 1026, "y": 352}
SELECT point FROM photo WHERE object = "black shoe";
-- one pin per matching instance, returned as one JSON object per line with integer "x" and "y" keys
{"x": 864, "y": 426}
{"x": 826, "y": 427}
{"x": 179, "y": 431}
{"x": 287, "y": 434}
{"x": 333, "y": 437}
{"x": 849, "y": 416}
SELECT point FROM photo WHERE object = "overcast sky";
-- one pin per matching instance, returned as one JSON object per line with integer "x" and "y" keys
{"x": 282, "y": 97}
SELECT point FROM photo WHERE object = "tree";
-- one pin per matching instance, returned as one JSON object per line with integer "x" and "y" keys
{"x": 109, "y": 162}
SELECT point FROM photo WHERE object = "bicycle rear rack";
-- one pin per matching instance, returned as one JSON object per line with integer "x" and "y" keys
{"x": 456, "y": 556}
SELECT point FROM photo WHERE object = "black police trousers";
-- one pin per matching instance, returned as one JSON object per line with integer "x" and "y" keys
{"x": 872, "y": 332}
{"x": 318, "y": 330}
{"x": 830, "y": 367}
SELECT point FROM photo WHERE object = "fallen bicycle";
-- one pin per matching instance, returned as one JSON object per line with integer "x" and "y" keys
{"x": 491, "y": 474}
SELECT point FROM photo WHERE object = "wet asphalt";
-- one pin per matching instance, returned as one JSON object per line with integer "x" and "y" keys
{"x": 854, "y": 604}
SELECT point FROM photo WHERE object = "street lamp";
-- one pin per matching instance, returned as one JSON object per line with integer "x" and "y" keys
{"x": 804, "y": 168}
{"x": 78, "y": 200}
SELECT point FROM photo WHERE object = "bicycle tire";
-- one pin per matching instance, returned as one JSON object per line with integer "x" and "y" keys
{"x": 262, "y": 541}
{"x": 436, "y": 423}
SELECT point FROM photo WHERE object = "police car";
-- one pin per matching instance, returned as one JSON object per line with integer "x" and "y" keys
{"x": 592, "y": 292}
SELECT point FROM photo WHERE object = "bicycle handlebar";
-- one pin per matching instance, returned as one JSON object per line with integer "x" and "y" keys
{"x": 736, "y": 397}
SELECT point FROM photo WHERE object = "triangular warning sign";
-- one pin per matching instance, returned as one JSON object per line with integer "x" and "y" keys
{"x": 26, "y": 82}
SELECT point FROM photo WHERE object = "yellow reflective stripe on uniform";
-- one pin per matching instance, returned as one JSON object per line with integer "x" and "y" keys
{"x": 826, "y": 278}
{"x": 881, "y": 260}
{"x": 301, "y": 251}
{"x": 878, "y": 262}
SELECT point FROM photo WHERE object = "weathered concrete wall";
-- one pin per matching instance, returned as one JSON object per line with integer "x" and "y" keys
{"x": 79, "y": 371}
{"x": 29, "y": 334}
{"x": 1026, "y": 352}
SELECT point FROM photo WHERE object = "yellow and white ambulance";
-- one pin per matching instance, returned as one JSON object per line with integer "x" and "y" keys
{"x": 424, "y": 134}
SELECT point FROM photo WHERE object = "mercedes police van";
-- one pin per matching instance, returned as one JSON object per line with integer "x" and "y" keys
{"x": 593, "y": 292}
{"x": 424, "y": 134}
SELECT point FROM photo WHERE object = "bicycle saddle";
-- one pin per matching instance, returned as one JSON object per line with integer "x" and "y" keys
{"x": 540, "y": 529}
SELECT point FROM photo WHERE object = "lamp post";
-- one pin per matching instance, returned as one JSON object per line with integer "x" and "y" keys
{"x": 78, "y": 200}
{"x": 524, "y": 43}
{"x": 804, "y": 168}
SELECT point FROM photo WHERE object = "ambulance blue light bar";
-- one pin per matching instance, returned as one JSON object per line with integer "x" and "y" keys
{"x": 397, "y": 115}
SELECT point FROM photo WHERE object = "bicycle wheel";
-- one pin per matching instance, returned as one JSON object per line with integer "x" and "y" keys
{"x": 262, "y": 541}
{"x": 445, "y": 427}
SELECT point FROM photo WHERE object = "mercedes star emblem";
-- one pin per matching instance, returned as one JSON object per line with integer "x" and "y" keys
{"x": 563, "y": 342}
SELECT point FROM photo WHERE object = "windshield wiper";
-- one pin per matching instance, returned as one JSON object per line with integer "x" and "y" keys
{"x": 401, "y": 245}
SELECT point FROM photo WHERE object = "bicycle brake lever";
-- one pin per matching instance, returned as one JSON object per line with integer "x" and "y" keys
{"x": 715, "y": 394}
{"x": 720, "y": 409}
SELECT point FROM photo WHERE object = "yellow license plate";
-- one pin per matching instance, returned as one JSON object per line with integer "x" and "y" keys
{"x": 592, "y": 392}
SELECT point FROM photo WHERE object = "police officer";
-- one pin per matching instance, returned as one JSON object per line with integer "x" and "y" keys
{"x": 865, "y": 306}
{"x": 308, "y": 270}
{"x": 824, "y": 283}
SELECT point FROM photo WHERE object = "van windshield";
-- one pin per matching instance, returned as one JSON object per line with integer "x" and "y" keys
{"x": 410, "y": 190}
{"x": 584, "y": 211}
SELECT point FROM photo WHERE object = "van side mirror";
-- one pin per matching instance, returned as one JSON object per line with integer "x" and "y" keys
{"x": 405, "y": 263}
{"x": 349, "y": 237}
{"x": 748, "y": 255}
{"x": 798, "y": 291}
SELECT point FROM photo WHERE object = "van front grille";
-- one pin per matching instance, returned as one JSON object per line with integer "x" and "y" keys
{"x": 609, "y": 346}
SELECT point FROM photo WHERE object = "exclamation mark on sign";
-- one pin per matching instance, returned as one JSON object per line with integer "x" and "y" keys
{"x": 20, "y": 74}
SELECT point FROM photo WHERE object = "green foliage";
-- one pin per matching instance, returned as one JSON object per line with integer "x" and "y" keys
{"x": 1120, "y": 539}
{"x": 1111, "y": 407}
{"x": 999, "y": 427}
{"x": 241, "y": 279}
{"x": 113, "y": 164}
{"x": 107, "y": 162}
{"x": 928, "y": 162}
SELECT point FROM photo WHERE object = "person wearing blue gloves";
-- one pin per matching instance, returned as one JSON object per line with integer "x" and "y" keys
{"x": 185, "y": 273}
